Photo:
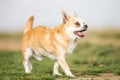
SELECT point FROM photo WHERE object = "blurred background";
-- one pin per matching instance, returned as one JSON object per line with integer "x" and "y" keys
{"x": 98, "y": 14}
{"x": 14, "y": 13}
{"x": 98, "y": 52}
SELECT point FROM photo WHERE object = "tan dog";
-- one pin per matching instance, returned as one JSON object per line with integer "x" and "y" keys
{"x": 54, "y": 43}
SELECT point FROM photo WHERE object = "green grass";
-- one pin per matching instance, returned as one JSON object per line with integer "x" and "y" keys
{"x": 10, "y": 35}
{"x": 90, "y": 59}
{"x": 107, "y": 33}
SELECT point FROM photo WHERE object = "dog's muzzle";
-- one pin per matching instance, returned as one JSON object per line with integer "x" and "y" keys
{"x": 79, "y": 33}
{"x": 84, "y": 28}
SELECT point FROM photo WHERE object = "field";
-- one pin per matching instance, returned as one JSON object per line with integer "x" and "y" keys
{"x": 96, "y": 57}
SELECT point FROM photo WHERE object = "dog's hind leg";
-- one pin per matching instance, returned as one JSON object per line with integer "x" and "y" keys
{"x": 37, "y": 56}
{"x": 27, "y": 60}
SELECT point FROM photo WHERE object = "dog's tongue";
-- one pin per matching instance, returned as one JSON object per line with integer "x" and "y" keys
{"x": 80, "y": 34}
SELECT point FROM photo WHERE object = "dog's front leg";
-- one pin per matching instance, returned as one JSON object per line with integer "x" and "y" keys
{"x": 55, "y": 69}
{"x": 65, "y": 67}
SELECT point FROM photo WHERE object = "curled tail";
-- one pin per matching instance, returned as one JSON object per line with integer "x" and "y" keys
{"x": 29, "y": 24}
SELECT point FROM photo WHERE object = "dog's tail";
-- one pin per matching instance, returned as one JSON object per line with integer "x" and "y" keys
{"x": 29, "y": 24}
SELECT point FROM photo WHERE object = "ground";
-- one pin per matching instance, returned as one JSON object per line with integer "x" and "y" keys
{"x": 96, "y": 57}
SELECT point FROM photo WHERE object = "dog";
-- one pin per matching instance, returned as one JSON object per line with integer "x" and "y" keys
{"x": 55, "y": 43}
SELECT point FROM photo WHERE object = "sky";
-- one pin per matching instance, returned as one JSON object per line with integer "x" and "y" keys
{"x": 14, "y": 13}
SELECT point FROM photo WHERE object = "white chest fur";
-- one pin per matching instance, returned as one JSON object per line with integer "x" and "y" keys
{"x": 71, "y": 47}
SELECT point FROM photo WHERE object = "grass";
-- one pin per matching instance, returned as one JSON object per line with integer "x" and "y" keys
{"x": 98, "y": 59}
{"x": 89, "y": 58}
{"x": 10, "y": 35}
{"x": 109, "y": 34}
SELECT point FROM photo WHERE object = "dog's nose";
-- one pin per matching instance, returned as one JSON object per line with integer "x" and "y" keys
{"x": 86, "y": 26}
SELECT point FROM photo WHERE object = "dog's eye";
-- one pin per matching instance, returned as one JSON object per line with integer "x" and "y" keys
{"x": 77, "y": 23}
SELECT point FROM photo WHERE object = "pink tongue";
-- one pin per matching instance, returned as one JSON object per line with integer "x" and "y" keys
{"x": 80, "y": 34}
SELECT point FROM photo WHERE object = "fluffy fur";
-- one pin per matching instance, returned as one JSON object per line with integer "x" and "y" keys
{"x": 55, "y": 43}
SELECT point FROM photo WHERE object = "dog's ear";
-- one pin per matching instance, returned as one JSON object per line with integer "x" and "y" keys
{"x": 75, "y": 14}
{"x": 65, "y": 16}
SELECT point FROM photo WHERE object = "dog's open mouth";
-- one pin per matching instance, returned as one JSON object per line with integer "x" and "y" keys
{"x": 80, "y": 33}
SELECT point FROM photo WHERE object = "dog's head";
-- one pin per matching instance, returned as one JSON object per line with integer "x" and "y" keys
{"x": 74, "y": 26}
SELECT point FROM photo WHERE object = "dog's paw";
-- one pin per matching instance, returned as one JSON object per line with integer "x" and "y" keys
{"x": 72, "y": 76}
{"x": 57, "y": 74}
{"x": 28, "y": 71}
